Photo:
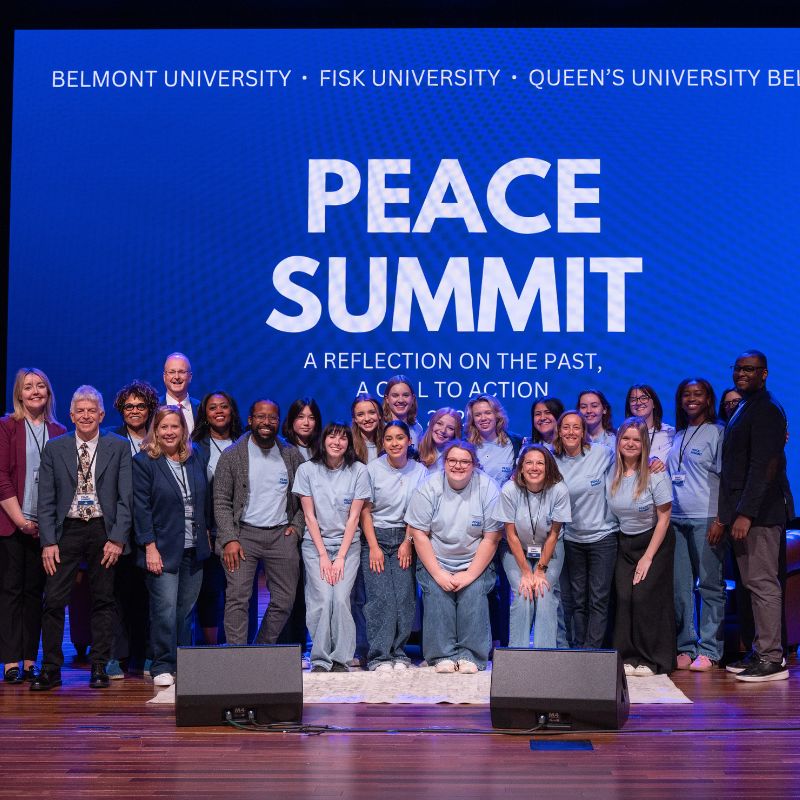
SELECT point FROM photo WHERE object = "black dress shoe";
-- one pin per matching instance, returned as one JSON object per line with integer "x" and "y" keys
{"x": 99, "y": 679}
{"x": 31, "y": 673}
{"x": 13, "y": 675}
{"x": 47, "y": 679}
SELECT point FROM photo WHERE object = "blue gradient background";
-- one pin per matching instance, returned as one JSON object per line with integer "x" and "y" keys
{"x": 145, "y": 221}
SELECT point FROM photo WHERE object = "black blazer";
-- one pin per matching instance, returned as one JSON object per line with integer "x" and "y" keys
{"x": 753, "y": 482}
{"x": 158, "y": 508}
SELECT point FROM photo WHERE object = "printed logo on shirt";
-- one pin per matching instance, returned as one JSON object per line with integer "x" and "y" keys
{"x": 595, "y": 483}
{"x": 477, "y": 522}
{"x": 283, "y": 481}
{"x": 696, "y": 451}
{"x": 348, "y": 500}
{"x": 646, "y": 507}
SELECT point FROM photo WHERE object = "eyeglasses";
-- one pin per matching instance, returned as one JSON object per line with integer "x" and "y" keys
{"x": 171, "y": 373}
{"x": 134, "y": 407}
{"x": 266, "y": 418}
{"x": 458, "y": 462}
{"x": 748, "y": 369}
{"x": 640, "y": 400}
{"x": 731, "y": 403}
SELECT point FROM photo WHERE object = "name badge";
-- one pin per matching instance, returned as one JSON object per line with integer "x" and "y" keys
{"x": 86, "y": 500}
{"x": 534, "y": 551}
{"x": 678, "y": 478}
{"x": 188, "y": 510}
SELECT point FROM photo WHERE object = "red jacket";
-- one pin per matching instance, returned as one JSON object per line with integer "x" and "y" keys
{"x": 12, "y": 463}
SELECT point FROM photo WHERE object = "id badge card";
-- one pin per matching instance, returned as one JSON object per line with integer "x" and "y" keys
{"x": 534, "y": 551}
{"x": 36, "y": 476}
{"x": 85, "y": 500}
{"x": 188, "y": 510}
{"x": 678, "y": 478}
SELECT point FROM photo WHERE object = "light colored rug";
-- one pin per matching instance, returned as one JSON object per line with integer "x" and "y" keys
{"x": 424, "y": 686}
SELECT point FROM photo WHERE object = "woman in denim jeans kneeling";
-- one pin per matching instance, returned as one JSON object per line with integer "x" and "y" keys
{"x": 386, "y": 562}
{"x": 451, "y": 518}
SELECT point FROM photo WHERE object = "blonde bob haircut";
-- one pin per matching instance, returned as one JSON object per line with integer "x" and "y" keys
{"x": 643, "y": 467}
{"x": 552, "y": 474}
{"x": 19, "y": 382}
{"x": 558, "y": 445}
{"x": 500, "y": 425}
{"x": 150, "y": 444}
{"x": 427, "y": 449}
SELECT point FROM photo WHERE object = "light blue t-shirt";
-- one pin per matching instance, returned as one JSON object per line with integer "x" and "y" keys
{"x": 216, "y": 447}
{"x": 661, "y": 441}
{"x": 416, "y": 433}
{"x": 269, "y": 482}
{"x": 333, "y": 492}
{"x": 437, "y": 466}
{"x": 392, "y": 490}
{"x": 585, "y": 476}
{"x": 35, "y": 441}
{"x": 534, "y": 509}
{"x": 455, "y": 520}
{"x": 638, "y": 515}
{"x": 372, "y": 451}
{"x": 695, "y": 463}
{"x": 496, "y": 460}
{"x": 606, "y": 438}
{"x": 304, "y": 451}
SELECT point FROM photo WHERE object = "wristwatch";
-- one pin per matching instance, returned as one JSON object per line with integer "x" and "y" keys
{"x": 542, "y": 567}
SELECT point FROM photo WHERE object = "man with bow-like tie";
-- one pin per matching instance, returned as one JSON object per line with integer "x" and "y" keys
{"x": 85, "y": 499}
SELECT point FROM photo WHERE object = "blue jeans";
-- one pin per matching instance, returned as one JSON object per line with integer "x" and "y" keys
{"x": 391, "y": 600}
{"x": 542, "y": 612}
{"x": 328, "y": 616}
{"x": 172, "y": 599}
{"x": 591, "y": 573}
{"x": 456, "y": 624}
{"x": 698, "y": 562}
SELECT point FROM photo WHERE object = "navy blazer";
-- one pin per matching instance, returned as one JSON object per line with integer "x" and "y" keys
{"x": 753, "y": 480}
{"x": 58, "y": 482}
{"x": 158, "y": 508}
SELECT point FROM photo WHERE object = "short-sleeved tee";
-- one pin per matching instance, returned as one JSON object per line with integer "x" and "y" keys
{"x": 333, "y": 492}
{"x": 661, "y": 441}
{"x": 496, "y": 460}
{"x": 585, "y": 477}
{"x": 392, "y": 490}
{"x": 694, "y": 464}
{"x": 455, "y": 519}
{"x": 529, "y": 510}
{"x": 638, "y": 515}
{"x": 269, "y": 483}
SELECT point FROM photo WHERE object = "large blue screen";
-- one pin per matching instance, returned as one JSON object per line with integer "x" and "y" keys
{"x": 516, "y": 211}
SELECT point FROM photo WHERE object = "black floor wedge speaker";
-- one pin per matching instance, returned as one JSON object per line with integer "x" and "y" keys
{"x": 260, "y": 683}
{"x": 582, "y": 689}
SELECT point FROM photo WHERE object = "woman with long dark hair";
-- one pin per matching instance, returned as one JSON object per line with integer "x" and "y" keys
{"x": 367, "y": 426}
{"x": 332, "y": 487}
{"x": 596, "y": 410}
{"x": 303, "y": 426}
{"x": 642, "y": 401}
{"x": 545, "y": 412}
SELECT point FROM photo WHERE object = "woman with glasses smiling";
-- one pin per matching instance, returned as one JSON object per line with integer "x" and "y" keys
{"x": 452, "y": 520}
{"x": 642, "y": 401}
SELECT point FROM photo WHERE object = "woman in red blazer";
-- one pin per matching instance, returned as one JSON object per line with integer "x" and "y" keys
{"x": 23, "y": 435}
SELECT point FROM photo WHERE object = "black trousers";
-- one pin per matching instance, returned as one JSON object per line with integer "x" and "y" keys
{"x": 21, "y": 585}
{"x": 644, "y": 631}
{"x": 80, "y": 541}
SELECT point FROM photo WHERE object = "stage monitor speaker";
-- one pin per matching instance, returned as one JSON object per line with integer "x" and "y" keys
{"x": 262, "y": 683}
{"x": 578, "y": 689}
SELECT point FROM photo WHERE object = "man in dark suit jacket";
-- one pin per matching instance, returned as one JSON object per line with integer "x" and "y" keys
{"x": 85, "y": 498}
{"x": 755, "y": 504}
{"x": 177, "y": 377}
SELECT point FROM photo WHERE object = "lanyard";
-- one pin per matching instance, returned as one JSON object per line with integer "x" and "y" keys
{"x": 134, "y": 446}
{"x": 218, "y": 448}
{"x": 534, "y": 525}
{"x": 682, "y": 450}
{"x": 36, "y": 438}
{"x": 87, "y": 476}
{"x": 179, "y": 476}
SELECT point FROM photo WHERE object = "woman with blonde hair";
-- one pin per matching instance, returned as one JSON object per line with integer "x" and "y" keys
{"x": 23, "y": 435}
{"x": 443, "y": 427}
{"x": 640, "y": 501}
{"x": 486, "y": 423}
{"x": 171, "y": 517}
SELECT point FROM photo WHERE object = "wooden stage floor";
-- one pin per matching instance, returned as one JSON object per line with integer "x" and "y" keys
{"x": 737, "y": 740}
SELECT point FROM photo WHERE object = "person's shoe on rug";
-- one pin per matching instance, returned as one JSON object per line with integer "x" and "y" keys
{"x": 384, "y": 667}
{"x": 643, "y": 671}
{"x": 467, "y": 667}
{"x": 445, "y": 665}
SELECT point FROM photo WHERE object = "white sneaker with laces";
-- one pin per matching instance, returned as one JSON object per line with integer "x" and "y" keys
{"x": 164, "y": 679}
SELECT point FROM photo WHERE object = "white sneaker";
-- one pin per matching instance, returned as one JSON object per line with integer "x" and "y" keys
{"x": 629, "y": 669}
{"x": 466, "y": 667}
{"x": 163, "y": 679}
{"x": 643, "y": 671}
{"x": 400, "y": 666}
{"x": 384, "y": 667}
{"x": 446, "y": 665}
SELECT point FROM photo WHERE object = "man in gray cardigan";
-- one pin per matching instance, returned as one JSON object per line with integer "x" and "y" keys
{"x": 258, "y": 519}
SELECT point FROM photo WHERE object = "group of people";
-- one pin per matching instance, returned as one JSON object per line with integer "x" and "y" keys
{"x": 360, "y": 523}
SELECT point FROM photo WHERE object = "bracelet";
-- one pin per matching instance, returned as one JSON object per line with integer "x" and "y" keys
{"x": 409, "y": 539}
